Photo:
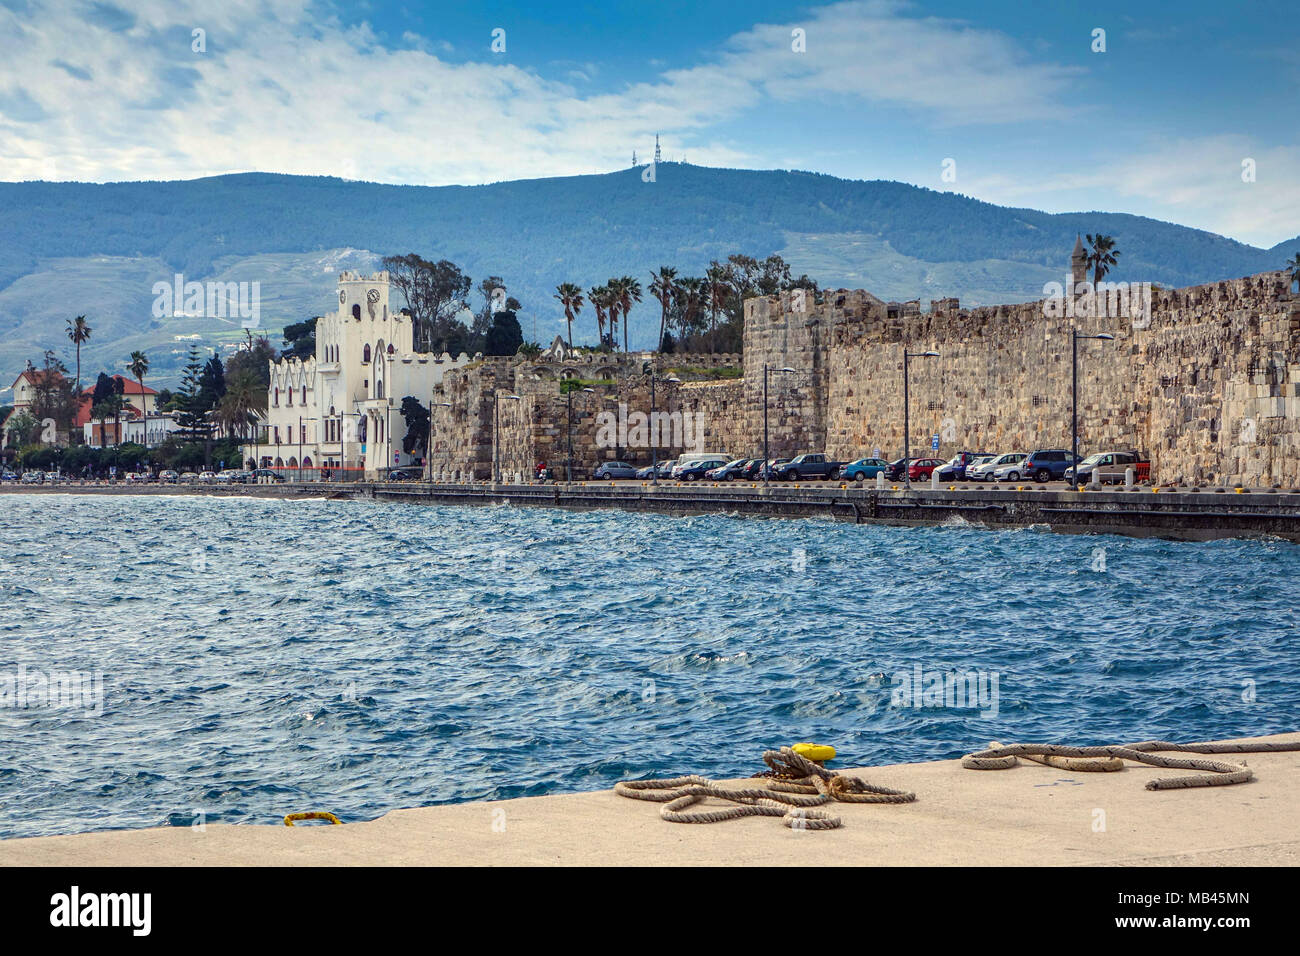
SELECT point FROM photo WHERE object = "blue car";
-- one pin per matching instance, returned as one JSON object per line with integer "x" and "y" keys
{"x": 864, "y": 468}
{"x": 1048, "y": 465}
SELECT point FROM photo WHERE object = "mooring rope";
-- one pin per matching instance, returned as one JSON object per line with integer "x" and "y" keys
{"x": 1215, "y": 773}
{"x": 796, "y": 785}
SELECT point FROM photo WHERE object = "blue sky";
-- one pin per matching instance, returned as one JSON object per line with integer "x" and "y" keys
{"x": 1158, "y": 124}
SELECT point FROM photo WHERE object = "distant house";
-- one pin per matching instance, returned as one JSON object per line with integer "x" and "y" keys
{"x": 141, "y": 405}
{"x": 25, "y": 389}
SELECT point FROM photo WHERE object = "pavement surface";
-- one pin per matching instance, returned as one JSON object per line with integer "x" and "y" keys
{"x": 1028, "y": 815}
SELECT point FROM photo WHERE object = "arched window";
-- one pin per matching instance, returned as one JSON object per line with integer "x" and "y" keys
{"x": 304, "y": 394}
{"x": 365, "y": 355}
{"x": 277, "y": 396}
{"x": 356, "y": 312}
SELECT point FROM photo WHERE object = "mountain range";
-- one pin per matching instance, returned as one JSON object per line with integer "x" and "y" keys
{"x": 70, "y": 249}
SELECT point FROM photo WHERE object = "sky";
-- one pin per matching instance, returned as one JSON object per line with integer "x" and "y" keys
{"x": 1183, "y": 111}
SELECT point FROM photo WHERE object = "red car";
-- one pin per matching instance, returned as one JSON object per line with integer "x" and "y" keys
{"x": 920, "y": 468}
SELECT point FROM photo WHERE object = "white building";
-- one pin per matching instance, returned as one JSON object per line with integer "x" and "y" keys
{"x": 340, "y": 409}
{"x": 99, "y": 433}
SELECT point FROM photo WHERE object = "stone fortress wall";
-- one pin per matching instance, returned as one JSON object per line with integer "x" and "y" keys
{"x": 1208, "y": 384}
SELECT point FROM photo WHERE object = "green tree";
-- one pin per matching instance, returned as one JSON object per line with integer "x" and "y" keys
{"x": 242, "y": 405}
{"x": 139, "y": 367}
{"x": 663, "y": 286}
{"x": 300, "y": 339}
{"x": 22, "y": 428}
{"x": 54, "y": 397}
{"x": 1101, "y": 256}
{"x": 256, "y": 359}
{"x": 417, "y": 426}
{"x": 79, "y": 331}
{"x": 434, "y": 292}
{"x": 1293, "y": 269}
{"x": 505, "y": 336}
{"x": 110, "y": 407}
{"x": 212, "y": 382}
{"x": 627, "y": 290}
{"x": 570, "y": 297}
{"x": 191, "y": 414}
{"x": 598, "y": 296}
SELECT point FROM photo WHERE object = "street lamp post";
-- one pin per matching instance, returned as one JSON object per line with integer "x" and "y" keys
{"x": 907, "y": 421}
{"x": 1074, "y": 393}
{"x": 767, "y": 458}
{"x": 568, "y": 467}
{"x": 496, "y": 435}
{"x": 428, "y": 450}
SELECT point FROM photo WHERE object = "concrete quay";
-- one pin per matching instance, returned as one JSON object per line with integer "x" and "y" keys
{"x": 1175, "y": 513}
{"x": 1030, "y": 815}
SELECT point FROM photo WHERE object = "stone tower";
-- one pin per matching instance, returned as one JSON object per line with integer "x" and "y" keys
{"x": 1078, "y": 264}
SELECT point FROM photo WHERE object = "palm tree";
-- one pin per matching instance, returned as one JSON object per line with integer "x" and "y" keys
{"x": 1293, "y": 269}
{"x": 663, "y": 284}
{"x": 244, "y": 401}
{"x": 614, "y": 287}
{"x": 138, "y": 366}
{"x": 629, "y": 291}
{"x": 717, "y": 292}
{"x": 570, "y": 297}
{"x": 690, "y": 296}
{"x": 598, "y": 296}
{"x": 1102, "y": 256}
{"x": 79, "y": 331}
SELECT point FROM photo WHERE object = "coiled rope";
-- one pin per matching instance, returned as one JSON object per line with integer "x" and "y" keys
{"x": 796, "y": 784}
{"x": 1215, "y": 773}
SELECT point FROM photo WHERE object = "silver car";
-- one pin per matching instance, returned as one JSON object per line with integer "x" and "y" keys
{"x": 1002, "y": 468}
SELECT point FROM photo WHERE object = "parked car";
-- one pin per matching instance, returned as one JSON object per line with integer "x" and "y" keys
{"x": 955, "y": 468}
{"x": 614, "y": 471}
{"x": 997, "y": 468}
{"x": 207, "y": 477}
{"x": 732, "y": 470}
{"x": 1047, "y": 465}
{"x": 405, "y": 474}
{"x": 691, "y": 471}
{"x": 8, "y": 476}
{"x": 665, "y": 470}
{"x": 863, "y": 468}
{"x": 757, "y": 471}
{"x": 807, "y": 466}
{"x": 895, "y": 470}
{"x": 921, "y": 468}
{"x": 1110, "y": 467}
{"x": 188, "y": 477}
{"x": 168, "y": 477}
{"x": 261, "y": 474}
{"x": 33, "y": 477}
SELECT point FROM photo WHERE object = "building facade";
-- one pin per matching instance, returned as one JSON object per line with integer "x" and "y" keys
{"x": 339, "y": 410}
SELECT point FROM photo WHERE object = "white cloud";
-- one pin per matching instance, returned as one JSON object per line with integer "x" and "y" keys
{"x": 283, "y": 90}
{"x": 1197, "y": 181}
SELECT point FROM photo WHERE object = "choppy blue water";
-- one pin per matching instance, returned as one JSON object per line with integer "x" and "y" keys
{"x": 262, "y": 657}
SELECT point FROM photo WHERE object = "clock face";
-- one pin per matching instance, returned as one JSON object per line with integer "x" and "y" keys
{"x": 343, "y": 297}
